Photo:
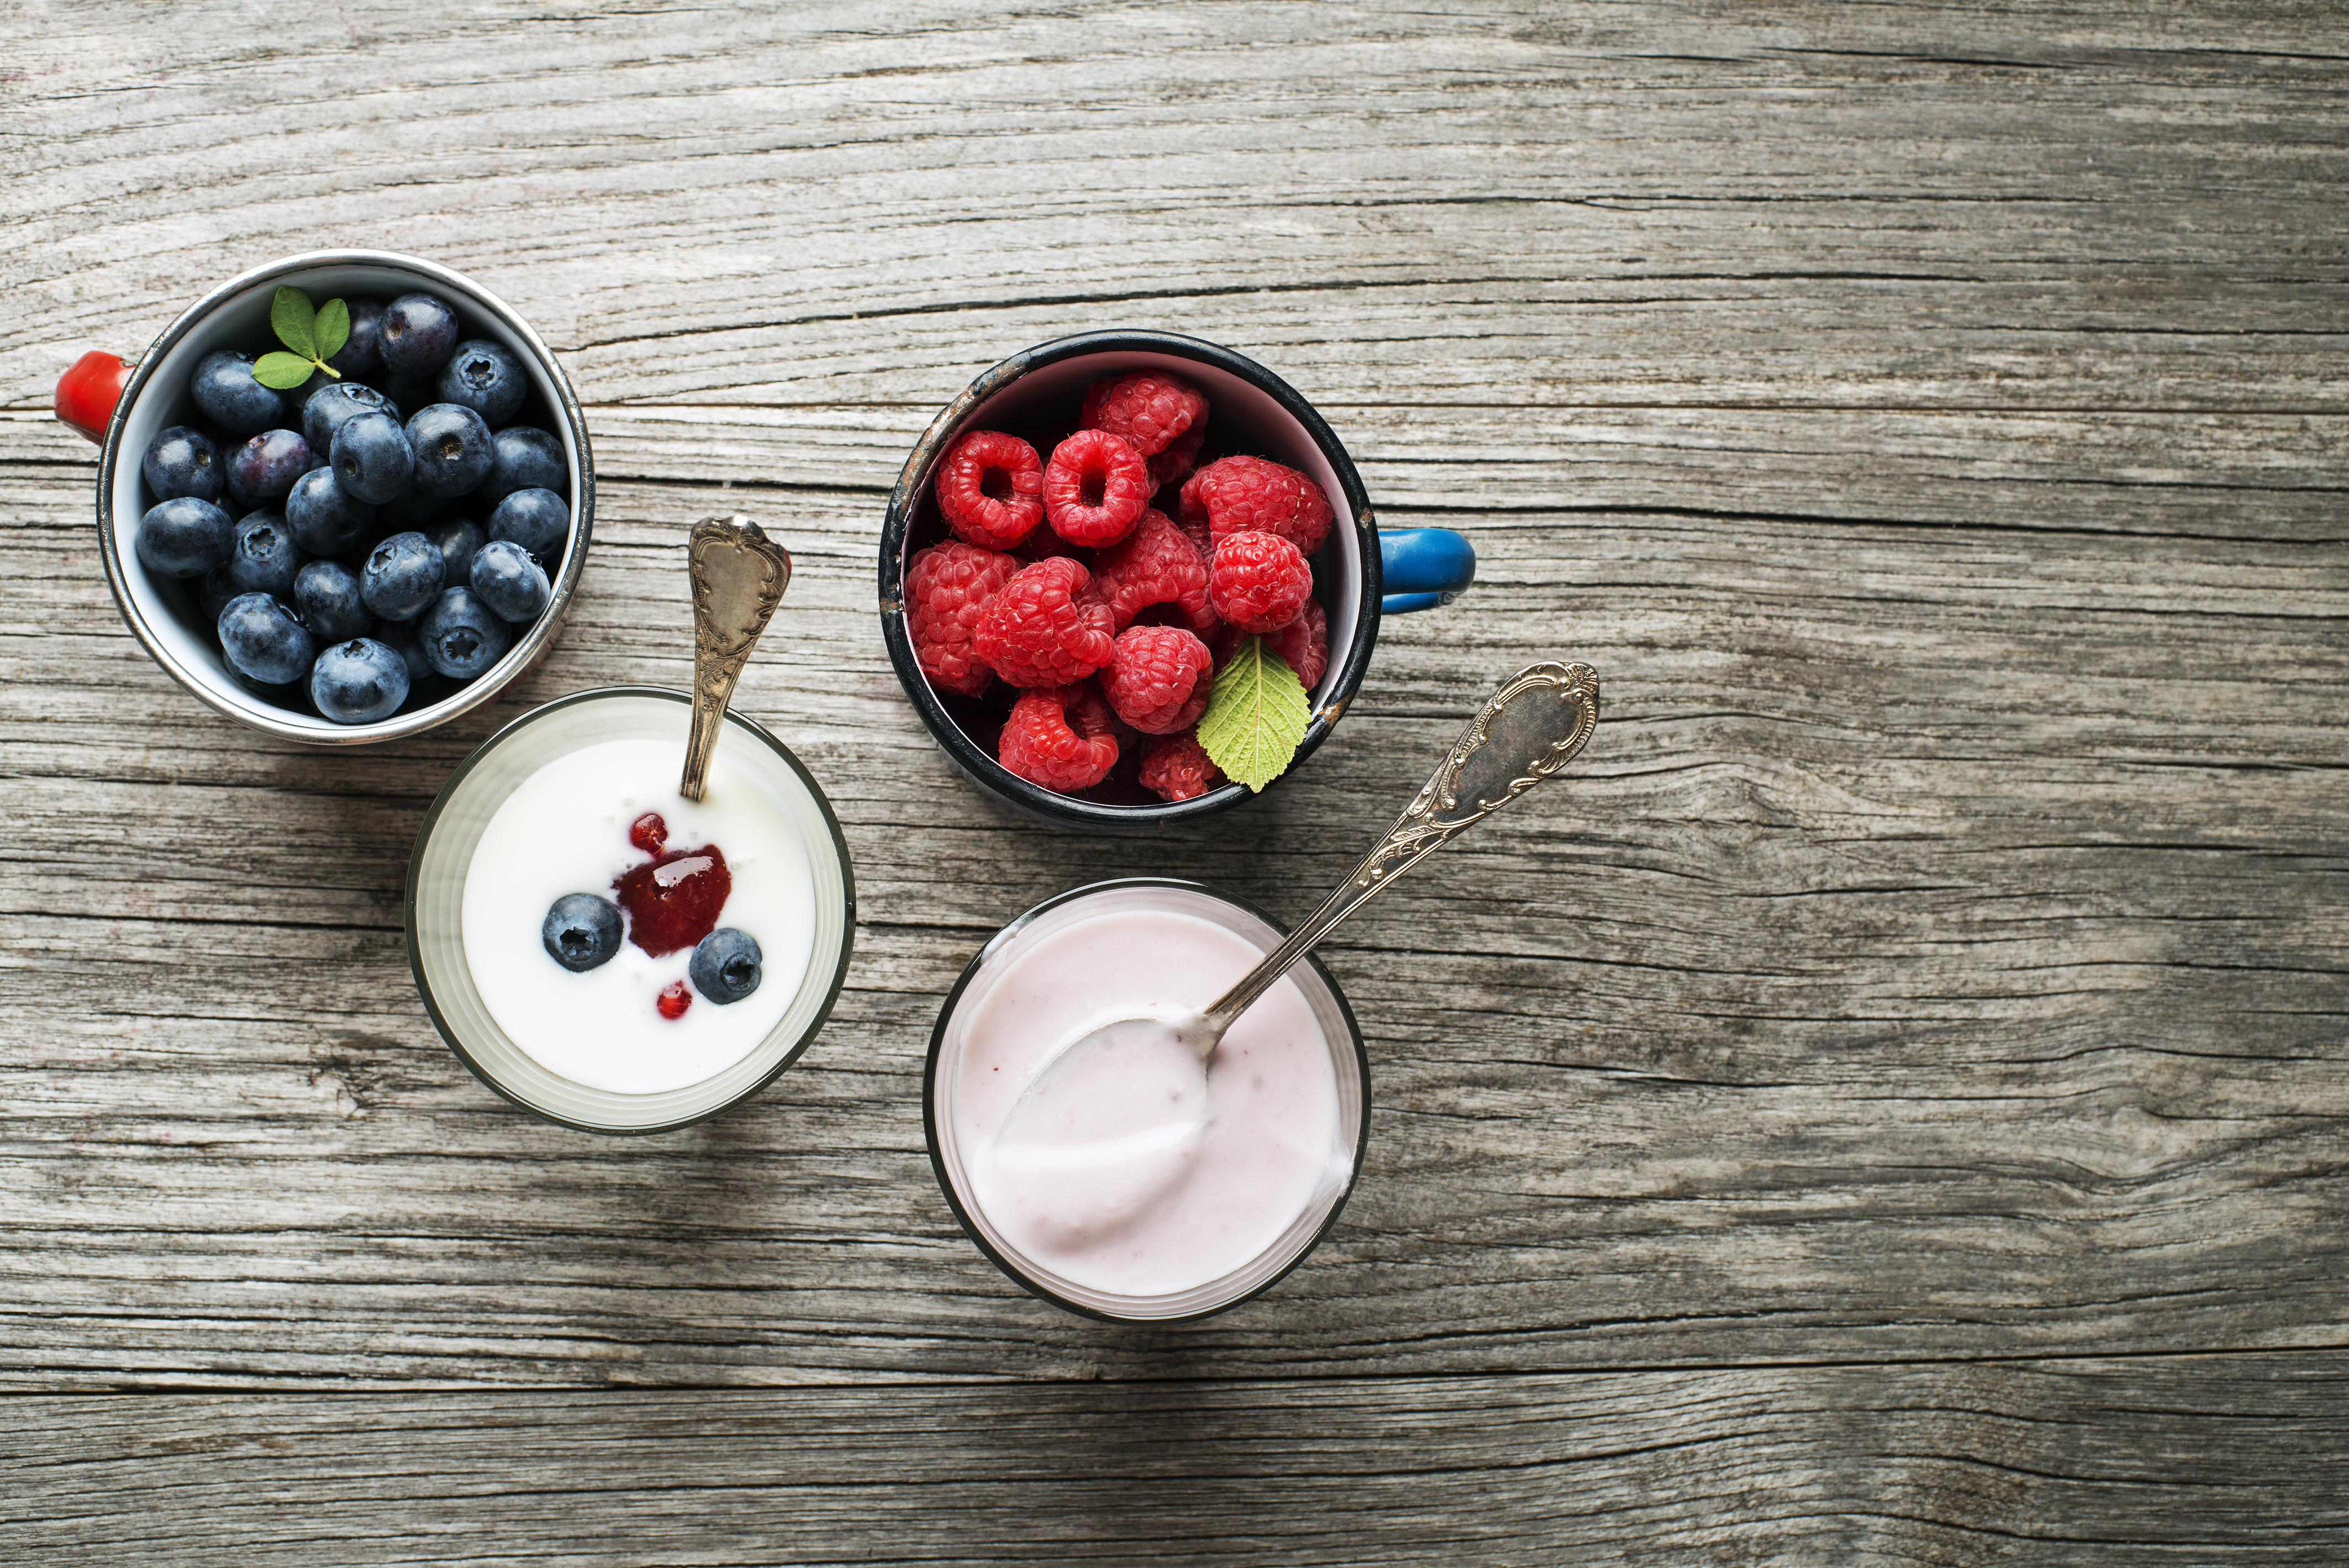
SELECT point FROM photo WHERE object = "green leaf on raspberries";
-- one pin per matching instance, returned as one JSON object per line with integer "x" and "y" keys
{"x": 291, "y": 317}
{"x": 282, "y": 370}
{"x": 1256, "y": 718}
{"x": 334, "y": 327}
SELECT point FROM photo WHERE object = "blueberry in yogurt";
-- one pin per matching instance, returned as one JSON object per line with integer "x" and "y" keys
{"x": 582, "y": 931}
{"x": 725, "y": 966}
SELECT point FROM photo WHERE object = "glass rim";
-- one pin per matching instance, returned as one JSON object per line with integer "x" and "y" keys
{"x": 482, "y": 753}
{"x": 962, "y": 1214}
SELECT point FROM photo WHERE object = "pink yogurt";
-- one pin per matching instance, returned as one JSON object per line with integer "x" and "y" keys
{"x": 1158, "y": 1184}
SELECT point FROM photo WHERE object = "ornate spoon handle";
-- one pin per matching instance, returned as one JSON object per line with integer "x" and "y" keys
{"x": 1526, "y": 732}
{"x": 739, "y": 578}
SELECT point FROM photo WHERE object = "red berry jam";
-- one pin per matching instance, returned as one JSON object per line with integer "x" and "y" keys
{"x": 672, "y": 900}
{"x": 674, "y": 998}
{"x": 649, "y": 833}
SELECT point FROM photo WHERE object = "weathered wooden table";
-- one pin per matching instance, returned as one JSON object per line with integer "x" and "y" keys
{"x": 1889, "y": 1107}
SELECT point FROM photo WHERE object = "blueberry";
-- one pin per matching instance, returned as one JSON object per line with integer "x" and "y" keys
{"x": 461, "y": 636}
{"x": 526, "y": 458}
{"x": 263, "y": 641}
{"x": 415, "y": 335}
{"x": 224, "y": 390}
{"x": 534, "y": 519}
{"x": 453, "y": 451}
{"x": 326, "y": 598}
{"x": 402, "y": 638}
{"x": 402, "y": 576}
{"x": 372, "y": 457}
{"x": 213, "y": 591}
{"x": 725, "y": 966}
{"x": 411, "y": 508}
{"x": 486, "y": 378}
{"x": 458, "y": 537}
{"x": 582, "y": 931}
{"x": 185, "y": 538}
{"x": 408, "y": 391}
{"x": 358, "y": 681}
{"x": 363, "y": 350}
{"x": 181, "y": 461}
{"x": 265, "y": 467}
{"x": 511, "y": 584}
{"x": 265, "y": 557}
{"x": 326, "y": 519}
{"x": 330, "y": 407}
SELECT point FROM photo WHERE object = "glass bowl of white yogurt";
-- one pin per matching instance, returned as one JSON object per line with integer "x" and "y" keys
{"x": 1198, "y": 1210}
{"x": 546, "y": 808}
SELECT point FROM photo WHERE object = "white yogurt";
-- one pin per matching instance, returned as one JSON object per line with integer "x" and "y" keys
{"x": 1169, "y": 1188}
{"x": 565, "y": 830}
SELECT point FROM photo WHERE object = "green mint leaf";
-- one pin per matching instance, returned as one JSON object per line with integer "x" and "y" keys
{"x": 334, "y": 327}
{"x": 1256, "y": 718}
{"x": 282, "y": 370}
{"x": 291, "y": 317}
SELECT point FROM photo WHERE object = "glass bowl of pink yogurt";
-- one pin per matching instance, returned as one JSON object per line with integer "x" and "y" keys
{"x": 1183, "y": 1219}
{"x": 549, "y": 806}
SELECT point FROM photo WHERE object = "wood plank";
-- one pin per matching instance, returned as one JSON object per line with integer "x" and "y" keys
{"x": 1623, "y": 206}
{"x": 2201, "y": 1459}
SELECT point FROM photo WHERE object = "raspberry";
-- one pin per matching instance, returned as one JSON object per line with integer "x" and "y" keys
{"x": 1178, "y": 768}
{"x": 1154, "y": 565}
{"x": 1059, "y": 737}
{"x": 946, "y": 590}
{"x": 1159, "y": 679}
{"x": 1239, "y": 494}
{"x": 1095, "y": 488}
{"x": 1304, "y": 644}
{"x": 1046, "y": 626}
{"x": 1258, "y": 582}
{"x": 1162, "y": 417}
{"x": 1174, "y": 462}
{"x": 1191, "y": 512}
{"x": 990, "y": 489}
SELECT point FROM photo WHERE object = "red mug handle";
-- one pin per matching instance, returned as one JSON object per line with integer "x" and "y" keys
{"x": 87, "y": 393}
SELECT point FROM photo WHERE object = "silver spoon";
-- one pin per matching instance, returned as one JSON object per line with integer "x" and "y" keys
{"x": 1526, "y": 732}
{"x": 739, "y": 578}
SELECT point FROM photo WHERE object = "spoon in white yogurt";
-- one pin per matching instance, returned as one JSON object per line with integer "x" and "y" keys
{"x": 1140, "y": 1083}
{"x": 738, "y": 577}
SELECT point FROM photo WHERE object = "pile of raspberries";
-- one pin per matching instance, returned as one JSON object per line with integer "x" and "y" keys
{"x": 1108, "y": 582}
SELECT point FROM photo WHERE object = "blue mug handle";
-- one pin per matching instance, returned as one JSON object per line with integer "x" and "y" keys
{"x": 1424, "y": 567}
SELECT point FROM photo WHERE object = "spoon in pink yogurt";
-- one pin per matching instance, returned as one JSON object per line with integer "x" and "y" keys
{"x": 1138, "y": 1085}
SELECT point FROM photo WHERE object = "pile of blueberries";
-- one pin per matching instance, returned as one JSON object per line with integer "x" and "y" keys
{"x": 352, "y": 561}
